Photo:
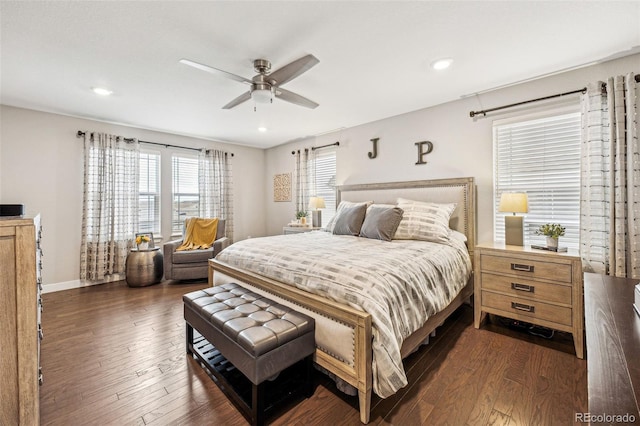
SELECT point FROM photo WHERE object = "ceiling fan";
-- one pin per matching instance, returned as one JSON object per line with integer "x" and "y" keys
{"x": 265, "y": 85}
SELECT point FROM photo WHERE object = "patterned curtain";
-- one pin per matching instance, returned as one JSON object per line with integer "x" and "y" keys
{"x": 110, "y": 205}
{"x": 301, "y": 179}
{"x": 610, "y": 188}
{"x": 215, "y": 182}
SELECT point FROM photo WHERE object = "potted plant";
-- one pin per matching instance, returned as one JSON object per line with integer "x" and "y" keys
{"x": 143, "y": 242}
{"x": 552, "y": 231}
{"x": 302, "y": 217}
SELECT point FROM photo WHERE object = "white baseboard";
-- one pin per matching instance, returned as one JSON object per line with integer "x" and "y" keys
{"x": 68, "y": 285}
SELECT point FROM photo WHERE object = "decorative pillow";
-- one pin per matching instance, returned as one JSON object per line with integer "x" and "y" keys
{"x": 424, "y": 221}
{"x": 343, "y": 204}
{"x": 349, "y": 220}
{"x": 381, "y": 222}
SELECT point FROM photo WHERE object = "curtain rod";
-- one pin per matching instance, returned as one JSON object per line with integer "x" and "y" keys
{"x": 583, "y": 90}
{"x": 485, "y": 111}
{"x": 313, "y": 148}
{"x": 166, "y": 145}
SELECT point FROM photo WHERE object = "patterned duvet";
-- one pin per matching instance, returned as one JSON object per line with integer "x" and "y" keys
{"x": 400, "y": 283}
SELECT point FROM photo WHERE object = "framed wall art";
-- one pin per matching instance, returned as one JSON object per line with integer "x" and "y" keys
{"x": 282, "y": 187}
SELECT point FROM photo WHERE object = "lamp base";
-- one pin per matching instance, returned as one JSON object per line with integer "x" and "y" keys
{"x": 513, "y": 231}
{"x": 316, "y": 218}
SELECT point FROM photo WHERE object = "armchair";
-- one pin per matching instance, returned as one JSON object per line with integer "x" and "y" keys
{"x": 192, "y": 264}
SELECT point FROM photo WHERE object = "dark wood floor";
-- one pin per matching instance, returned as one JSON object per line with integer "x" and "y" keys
{"x": 115, "y": 355}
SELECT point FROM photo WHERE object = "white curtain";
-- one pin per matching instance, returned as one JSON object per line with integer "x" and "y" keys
{"x": 302, "y": 179}
{"x": 110, "y": 205}
{"x": 215, "y": 182}
{"x": 610, "y": 178}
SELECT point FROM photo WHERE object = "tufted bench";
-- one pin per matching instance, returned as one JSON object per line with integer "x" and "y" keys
{"x": 258, "y": 336}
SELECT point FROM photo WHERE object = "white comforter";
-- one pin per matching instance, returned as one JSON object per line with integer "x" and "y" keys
{"x": 400, "y": 283}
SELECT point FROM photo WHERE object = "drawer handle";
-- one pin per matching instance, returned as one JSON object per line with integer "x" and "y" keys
{"x": 521, "y": 267}
{"x": 523, "y": 287}
{"x": 522, "y": 307}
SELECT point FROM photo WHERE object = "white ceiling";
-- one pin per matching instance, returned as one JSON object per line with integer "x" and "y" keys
{"x": 374, "y": 57}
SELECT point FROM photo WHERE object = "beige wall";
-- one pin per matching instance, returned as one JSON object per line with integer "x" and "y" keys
{"x": 41, "y": 166}
{"x": 41, "y": 161}
{"x": 462, "y": 146}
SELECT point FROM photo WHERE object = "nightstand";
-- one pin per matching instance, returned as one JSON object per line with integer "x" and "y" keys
{"x": 536, "y": 286}
{"x": 298, "y": 229}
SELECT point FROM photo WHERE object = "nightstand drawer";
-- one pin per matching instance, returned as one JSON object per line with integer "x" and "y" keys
{"x": 527, "y": 268}
{"x": 534, "y": 290}
{"x": 528, "y": 308}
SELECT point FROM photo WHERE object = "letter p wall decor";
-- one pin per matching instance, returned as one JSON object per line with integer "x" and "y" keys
{"x": 424, "y": 148}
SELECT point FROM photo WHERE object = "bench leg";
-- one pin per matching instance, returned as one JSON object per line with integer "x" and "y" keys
{"x": 257, "y": 404}
{"x": 308, "y": 387}
{"x": 189, "y": 338}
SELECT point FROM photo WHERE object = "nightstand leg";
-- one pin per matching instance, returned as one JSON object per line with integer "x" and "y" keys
{"x": 578, "y": 342}
{"x": 478, "y": 315}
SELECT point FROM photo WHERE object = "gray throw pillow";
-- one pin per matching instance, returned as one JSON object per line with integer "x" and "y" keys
{"x": 381, "y": 222}
{"x": 349, "y": 220}
{"x": 342, "y": 205}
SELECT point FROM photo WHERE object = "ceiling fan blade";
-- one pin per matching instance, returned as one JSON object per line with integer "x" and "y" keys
{"x": 294, "y": 69}
{"x": 215, "y": 71}
{"x": 237, "y": 101}
{"x": 294, "y": 98}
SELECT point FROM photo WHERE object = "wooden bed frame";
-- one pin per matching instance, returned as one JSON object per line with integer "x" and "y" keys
{"x": 359, "y": 372}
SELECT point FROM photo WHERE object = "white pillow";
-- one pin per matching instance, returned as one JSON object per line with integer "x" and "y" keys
{"x": 424, "y": 221}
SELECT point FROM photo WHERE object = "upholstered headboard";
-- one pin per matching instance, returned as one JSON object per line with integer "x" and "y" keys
{"x": 457, "y": 190}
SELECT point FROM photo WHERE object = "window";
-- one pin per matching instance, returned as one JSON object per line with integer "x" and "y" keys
{"x": 149, "y": 193}
{"x": 542, "y": 158}
{"x": 324, "y": 165}
{"x": 186, "y": 197}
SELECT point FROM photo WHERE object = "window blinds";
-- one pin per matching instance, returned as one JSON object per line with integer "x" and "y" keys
{"x": 149, "y": 193}
{"x": 542, "y": 158}
{"x": 186, "y": 197}
{"x": 325, "y": 181}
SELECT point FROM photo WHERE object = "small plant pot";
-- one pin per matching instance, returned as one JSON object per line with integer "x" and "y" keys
{"x": 143, "y": 246}
{"x": 552, "y": 242}
{"x": 303, "y": 221}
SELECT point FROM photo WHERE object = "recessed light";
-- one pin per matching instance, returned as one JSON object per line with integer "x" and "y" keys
{"x": 102, "y": 91}
{"x": 441, "y": 64}
{"x": 262, "y": 129}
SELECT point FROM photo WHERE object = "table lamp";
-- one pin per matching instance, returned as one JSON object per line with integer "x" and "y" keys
{"x": 513, "y": 202}
{"x": 316, "y": 203}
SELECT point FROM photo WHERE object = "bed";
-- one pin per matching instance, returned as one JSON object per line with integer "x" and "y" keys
{"x": 347, "y": 335}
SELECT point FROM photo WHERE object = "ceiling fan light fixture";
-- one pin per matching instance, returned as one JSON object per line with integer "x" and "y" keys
{"x": 262, "y": 96}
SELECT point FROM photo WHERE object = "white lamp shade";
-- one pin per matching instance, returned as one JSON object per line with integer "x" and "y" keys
{"x": 514, "y": 202}
{"x": 316, "y": 203}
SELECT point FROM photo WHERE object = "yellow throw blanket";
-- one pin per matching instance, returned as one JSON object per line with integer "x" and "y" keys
{"x": 200, "y": 233}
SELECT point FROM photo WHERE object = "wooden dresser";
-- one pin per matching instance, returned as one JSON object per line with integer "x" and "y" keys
{"x": 20, "y": 333}
{"x": 613, "y": 349}
{"x": 535, "y": 286}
